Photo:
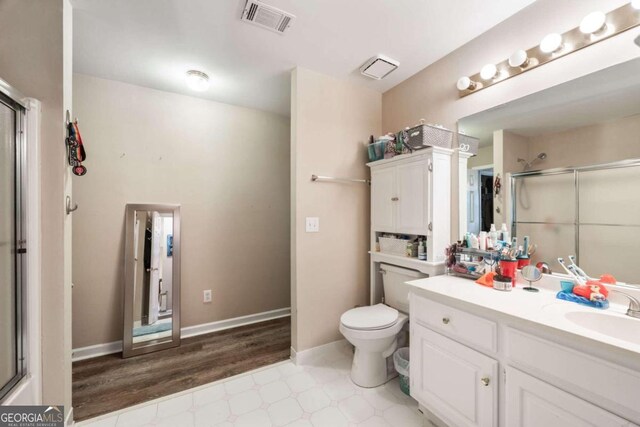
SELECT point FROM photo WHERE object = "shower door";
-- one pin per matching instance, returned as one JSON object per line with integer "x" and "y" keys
{"x": 11, "y": 333}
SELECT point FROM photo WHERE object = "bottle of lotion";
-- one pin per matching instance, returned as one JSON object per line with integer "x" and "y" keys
{"x": 493, "y": 237}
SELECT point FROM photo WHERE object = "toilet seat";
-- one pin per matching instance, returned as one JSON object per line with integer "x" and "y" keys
{"x": 375, "y": 317}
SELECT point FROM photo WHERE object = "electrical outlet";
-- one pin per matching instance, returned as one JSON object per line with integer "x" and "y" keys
{"x": 312, "y": 224}
{"x": 206, "y": 297}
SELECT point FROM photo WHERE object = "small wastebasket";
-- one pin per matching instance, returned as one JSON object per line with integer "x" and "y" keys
{"x": 401, "y": 363}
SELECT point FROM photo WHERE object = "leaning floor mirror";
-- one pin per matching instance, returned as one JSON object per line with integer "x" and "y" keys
{"x": 152, "y": 278}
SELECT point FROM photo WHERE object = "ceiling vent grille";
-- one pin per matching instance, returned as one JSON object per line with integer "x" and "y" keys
{"x": 379, "y": 67}
{"x": 267, "y": 16}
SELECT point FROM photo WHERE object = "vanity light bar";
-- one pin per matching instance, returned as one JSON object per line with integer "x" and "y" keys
{"x": 594, "y": 28}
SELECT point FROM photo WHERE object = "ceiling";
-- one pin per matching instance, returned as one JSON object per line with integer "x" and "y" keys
{"x": 153, "y": 43}
{"x": 596, "y": 98}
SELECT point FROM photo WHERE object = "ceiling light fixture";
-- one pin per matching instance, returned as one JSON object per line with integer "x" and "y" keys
{"x": 489, "y": 72}
{"x": 465, "y": 83}
{"x": 519, "y": 59}
{"x": 593, "y": 23}
{"x": 551, "y": 43}
{"x": 197, "y": 80}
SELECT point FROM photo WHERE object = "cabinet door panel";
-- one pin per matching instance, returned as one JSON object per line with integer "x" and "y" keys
{"x": 383, "y": 205}
{"x": 454, "y": 381}
{"x": 412, "y": 198}
{"x": 531, "y": 402}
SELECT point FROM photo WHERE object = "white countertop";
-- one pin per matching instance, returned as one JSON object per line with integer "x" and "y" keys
{"x": 541, "y": 308}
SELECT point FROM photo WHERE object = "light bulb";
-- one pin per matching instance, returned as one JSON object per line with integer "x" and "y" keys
{"x": 519, "y": 58}
{"x": 551, "y": 43}
{"x": 465, "y": 83}
{"x": 197, "y": 80}
{"x": 489, "y": 71}
{"x": 593, "y": 22}
{"x": 635, "y": 4}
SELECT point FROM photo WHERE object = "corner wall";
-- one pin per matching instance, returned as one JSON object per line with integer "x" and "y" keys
{"x": 331, "y": 121}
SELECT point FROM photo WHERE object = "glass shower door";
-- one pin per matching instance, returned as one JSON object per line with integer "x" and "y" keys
{"x": 10, "y": 288}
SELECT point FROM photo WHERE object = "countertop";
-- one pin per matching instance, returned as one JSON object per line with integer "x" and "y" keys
{"x": 542, "y": 308}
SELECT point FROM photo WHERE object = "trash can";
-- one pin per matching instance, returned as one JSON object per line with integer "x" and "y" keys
{"x": 401, "y": 362}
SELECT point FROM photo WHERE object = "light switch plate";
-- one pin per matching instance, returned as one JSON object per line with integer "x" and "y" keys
{"x": 312, "y": 224}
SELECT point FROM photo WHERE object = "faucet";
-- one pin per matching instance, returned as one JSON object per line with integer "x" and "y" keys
{"x": 634, "y": 304}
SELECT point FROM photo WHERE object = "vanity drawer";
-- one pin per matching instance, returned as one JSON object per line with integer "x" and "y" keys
{"x": 460, "y": 325}
{"x": 610, "y": 386}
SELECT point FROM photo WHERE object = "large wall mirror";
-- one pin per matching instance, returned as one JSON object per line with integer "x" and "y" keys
{"x": 152, "y": 278}
{"x": 569, "y": 159}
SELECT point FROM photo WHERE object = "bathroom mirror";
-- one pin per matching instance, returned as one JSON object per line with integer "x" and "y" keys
{"x": 569, "y": 162}
{"x": 152, "y": 278}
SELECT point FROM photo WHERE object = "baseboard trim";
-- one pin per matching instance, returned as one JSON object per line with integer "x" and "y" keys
{"x": 69, "y": 420}
{"x": 305, "y": 356}
{"x": 186, "y": 332}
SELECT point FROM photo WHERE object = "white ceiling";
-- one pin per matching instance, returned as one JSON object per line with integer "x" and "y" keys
{"x": 154, "y": 42}
{"x": 596, "y": 98}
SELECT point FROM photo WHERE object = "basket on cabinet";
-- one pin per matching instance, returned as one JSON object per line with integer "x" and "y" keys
{"x": 393, "y": 246}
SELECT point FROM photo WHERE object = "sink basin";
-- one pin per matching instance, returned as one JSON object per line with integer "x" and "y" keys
{"x": 619, "y": 327}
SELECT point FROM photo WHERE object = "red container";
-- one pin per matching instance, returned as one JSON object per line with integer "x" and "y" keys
{"x": 523, "y": 262}
{"x": 508, "y": 268}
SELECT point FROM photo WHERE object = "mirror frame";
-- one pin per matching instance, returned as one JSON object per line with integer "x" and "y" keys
{"x": 128, "y": 347}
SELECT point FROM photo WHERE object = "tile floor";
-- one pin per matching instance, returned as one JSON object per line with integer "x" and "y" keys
{"x": 318, "y": 394}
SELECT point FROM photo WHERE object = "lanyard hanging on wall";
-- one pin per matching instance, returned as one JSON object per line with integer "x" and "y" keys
{"x": 75, "y": 148}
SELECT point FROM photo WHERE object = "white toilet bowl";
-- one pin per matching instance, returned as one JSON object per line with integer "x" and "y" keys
{"x": 373, "y": 331}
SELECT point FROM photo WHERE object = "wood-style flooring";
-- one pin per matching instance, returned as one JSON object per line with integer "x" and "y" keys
{"x": 109, "y": 383}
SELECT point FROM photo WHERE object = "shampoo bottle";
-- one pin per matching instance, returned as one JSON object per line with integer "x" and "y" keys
{"x": 493, "y": 237}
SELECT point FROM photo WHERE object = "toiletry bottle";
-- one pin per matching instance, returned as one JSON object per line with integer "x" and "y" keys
{"x": 409, "y": 249}
{"x": 475, "y": 244}
{"x": 505, "y": 233}
{"x": 482, "y": 241}
{"x": 422, "y": 251}
{"x": 493, "y": 237}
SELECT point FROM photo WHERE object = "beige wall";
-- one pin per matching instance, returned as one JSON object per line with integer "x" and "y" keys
{"x": 431, "y": 93}
{"x": 31, "y": 60}
{"x": 331, "y": 121}
{"x": 229, "y": 169}
{"x": 601, "y": 143}
{"x": 483, "y": 158}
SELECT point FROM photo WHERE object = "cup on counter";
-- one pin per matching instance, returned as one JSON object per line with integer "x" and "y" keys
{"x": 523, "y": 261}
{"x": 508, "y": 268}
{"x": 567, "y": 286}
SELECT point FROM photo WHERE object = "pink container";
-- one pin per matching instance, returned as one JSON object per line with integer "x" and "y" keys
{"x": 523, "y": 262}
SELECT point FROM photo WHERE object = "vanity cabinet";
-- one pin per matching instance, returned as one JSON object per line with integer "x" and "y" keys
{"x": 411, "y": 194}
{"x": 531, "y": 402}
{"x": 460, "y": 382}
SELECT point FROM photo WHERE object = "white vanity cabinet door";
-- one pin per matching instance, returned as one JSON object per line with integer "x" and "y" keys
{"x": 412, "y": 183}
{"x": 531, "y": 402}
{"x": 383, "y": 199}
{"x": 455, "y": 382}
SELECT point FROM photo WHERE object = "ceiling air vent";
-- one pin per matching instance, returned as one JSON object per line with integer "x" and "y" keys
{"x": 379, "y": 67}
{"x": 267, "y": 16}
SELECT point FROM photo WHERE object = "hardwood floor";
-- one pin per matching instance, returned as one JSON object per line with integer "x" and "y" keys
{"x": 109, "y": 383}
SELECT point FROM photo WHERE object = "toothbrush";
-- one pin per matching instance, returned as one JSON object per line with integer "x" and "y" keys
{"x": 570, "y": 273}
{"x": 580, "y": 271}
{"x": 526, "y": 245}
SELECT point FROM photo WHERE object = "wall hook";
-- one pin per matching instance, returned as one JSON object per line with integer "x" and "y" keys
{"x": 69, "y": 207}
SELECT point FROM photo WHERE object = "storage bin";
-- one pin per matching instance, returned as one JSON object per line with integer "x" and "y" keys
{"x": 468, "y": 144}
{"x": 423, "y": 136}
{"x": 376, "y": 150}
{"x": 393, "y": 246}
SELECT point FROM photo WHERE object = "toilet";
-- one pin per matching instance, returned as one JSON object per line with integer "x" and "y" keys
{"x": 374, "y": 330}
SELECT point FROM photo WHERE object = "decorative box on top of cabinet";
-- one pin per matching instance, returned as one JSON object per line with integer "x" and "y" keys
{"x": 411, "y": 194}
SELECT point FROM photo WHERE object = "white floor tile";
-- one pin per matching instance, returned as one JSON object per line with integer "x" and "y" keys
{"x": 267, "y": 375}
{"x": 285, "y": 411}
{"x": 238, "y": 385}
{"x": 375, "y": 421}
{"x": 289, "y": 368}
{"x": 300, "y": 382}
{"x": 380, "y": 398}
{"x": 258, "y": 418}
{"x": 137, "y": 417}
{"x": 323, "y": 374}
{"x": 184, "y": 419}
{"x": 245, "y": 402}
{"x": 400, "y": 415}
{"x": 313, "y": 400}
{"x": 340, "y": 388}
{"x": 274, "y": 391}
{"x": 208, "y": 395}
{"x": 104, "y": 422}
{"x": 329, "y": 417}
{"x": 212, "y": 414}
{"x": 300, "y": 423}
{"x": 356, "y": 409}
{"x": 174, "y": 406}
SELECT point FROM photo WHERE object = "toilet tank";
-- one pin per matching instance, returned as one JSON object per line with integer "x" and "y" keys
{"x": 396, "y": 291}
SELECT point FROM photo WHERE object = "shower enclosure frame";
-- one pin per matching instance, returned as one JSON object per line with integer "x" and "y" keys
{"x": 576, "y": 182}
{"x": 11, "y": 99}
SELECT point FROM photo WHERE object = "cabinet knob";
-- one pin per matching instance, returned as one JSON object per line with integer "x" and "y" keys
{"x": 394, "y": 199}
{"x": 485, "y": 381}
{"x": 446, "y": 320}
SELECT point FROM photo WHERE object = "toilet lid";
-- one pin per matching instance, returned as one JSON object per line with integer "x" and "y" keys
{"x": 377, "y": 316}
